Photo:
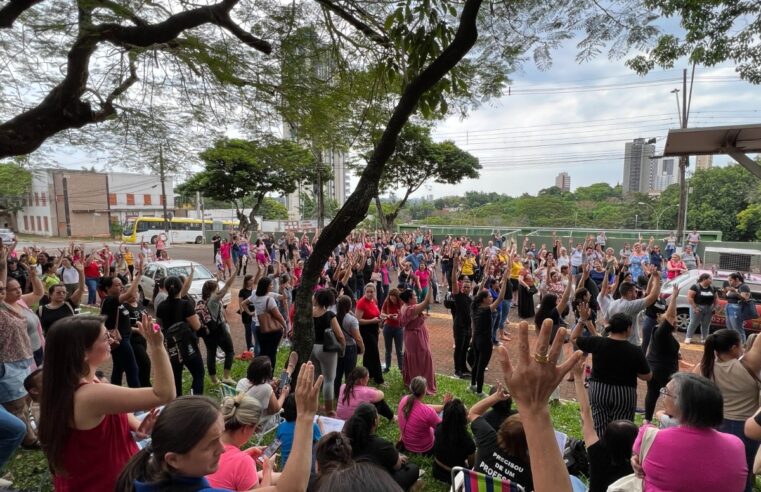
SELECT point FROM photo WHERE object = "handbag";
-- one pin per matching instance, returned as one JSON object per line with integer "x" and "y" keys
{"x": 116, "y": 337}
{"x": 181, "y": 342}
{"x": 330, "y": 342}
{"x": 631, "y": 482}
{"x": 267, "y": 323}
{"x": 375, "y": 277}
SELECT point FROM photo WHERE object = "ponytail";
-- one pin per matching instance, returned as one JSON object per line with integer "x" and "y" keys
{"x": 359, "y": 427}
{"x": 344, "y": 307}
{"x": 719, "y": 342}
{"x": 417, "y": 386}
{"x": 355, "y": 375}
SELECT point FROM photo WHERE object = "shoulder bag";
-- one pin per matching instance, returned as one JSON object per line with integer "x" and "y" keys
{"x": 181, "y": 342}
{"x": 329, "y": 341}
{"x": 632, "y": 483}
{"x": 116, "y": 337}
{"x": 267, "y": 323}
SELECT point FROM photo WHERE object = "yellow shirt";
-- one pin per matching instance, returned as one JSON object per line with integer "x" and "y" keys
{"x": 468, "y": 265}
{"x": 515, "y": 269}
{"x": 128, "y": 258}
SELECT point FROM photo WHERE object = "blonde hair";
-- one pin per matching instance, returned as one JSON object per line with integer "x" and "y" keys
{"x": 240, "y": 411}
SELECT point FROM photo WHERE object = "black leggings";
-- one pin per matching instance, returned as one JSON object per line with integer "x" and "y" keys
{"x": 194, "y": 363}
{"x": 461, "y": 337}
{"x": 659, "y": 380}
{"x": 371, "y": 357}
{"x": 220, "y": 338}
{"x": 268, "y": 343}
{"x": 482, "y": 349}
{"x": 140, "y": 347}
{"x": 384, "y": 410}
{"x": 406, "y": 476}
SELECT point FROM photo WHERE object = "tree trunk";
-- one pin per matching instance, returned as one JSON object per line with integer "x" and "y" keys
{"x": 380, "y": 214}
{"x": 391, "y": 217}
{"x": 254, "y": 211}
{"x": 355, "y": 208}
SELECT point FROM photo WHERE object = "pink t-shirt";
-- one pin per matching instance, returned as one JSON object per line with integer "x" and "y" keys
{"x": 718, "y": 460}
{"x": 361, "y": 394}
{"x": 236, "y": 471}
{"x": 417, "y": 429}
{"x": 423, "y": 275}
{"x": 225, "y": 250}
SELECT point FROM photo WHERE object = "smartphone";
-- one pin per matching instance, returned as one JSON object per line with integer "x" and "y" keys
{"x": 269, "y": 450}
{"x": 285, "y": 380}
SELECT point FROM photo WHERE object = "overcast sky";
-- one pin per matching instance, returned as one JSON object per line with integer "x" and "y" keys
{"x": 577, "y": 118}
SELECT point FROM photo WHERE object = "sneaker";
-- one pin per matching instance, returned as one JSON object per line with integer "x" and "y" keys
{"x": 386, "y": 370}
{"x": 688, "y": 341}
{"x": 465, "y": 375}
{"x": 472, "y": 388}
{"x": 481, "y": 395}
{"x": 458, "y": 374}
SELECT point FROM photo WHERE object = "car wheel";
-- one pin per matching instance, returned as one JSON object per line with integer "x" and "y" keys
{"x": 153, "y": 239}
{"x": 682, "y": 319}
{"x": 199, "y": 240}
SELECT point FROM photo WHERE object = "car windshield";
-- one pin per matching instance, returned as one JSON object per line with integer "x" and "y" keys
{"x": 129, "y": 228}
{"x": 200, "y": 273}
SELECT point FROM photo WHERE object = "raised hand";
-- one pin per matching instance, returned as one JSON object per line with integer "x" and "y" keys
{"x": 307, "y": 392}
{"x": 154, "y": 338}
{"x": 533, "y": 378}
{"x": 146, "y": 426}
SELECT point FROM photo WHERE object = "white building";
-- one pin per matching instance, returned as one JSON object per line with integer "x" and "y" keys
{"x": 132, "y": 195}
{"x": 637, "y": 164}
{"x": 704, "y": 162}
{"x": 663, "y": 173}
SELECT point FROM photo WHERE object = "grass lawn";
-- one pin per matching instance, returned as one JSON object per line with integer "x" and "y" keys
{"x": 29, "y": 468}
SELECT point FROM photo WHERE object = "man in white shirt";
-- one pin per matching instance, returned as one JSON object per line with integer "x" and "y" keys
{"x": 630, "y": 305}
{"x": 577, "y": 259}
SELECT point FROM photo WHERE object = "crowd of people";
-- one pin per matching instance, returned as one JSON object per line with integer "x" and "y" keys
{"x": 582, "y": 298}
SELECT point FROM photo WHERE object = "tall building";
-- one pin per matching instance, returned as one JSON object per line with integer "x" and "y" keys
{"x": 637, "y": 165}
{"x": 563, "y": 181}
{"x": 663, "y": 173}
{"x": 704, "y": 162}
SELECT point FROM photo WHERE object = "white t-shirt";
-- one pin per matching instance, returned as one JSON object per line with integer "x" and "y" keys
{"x": 262, "y": 304}
{"x": 260, "y": 392}
{"x": 577, "y": 258}
{"x": 69, "y": 275}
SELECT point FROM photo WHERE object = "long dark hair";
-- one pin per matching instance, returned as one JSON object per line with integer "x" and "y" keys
{"x": 344, "y": 308}
{"x": 618, "y": 439}
{"x": 332, "y": 451}
{"x": 359, "y": 427}
{"x": 68, "y": 340}
{"x": 179, "y": 428}
{"x": 263, "y": 286}
{"x": 208, "y": 288}
{"x": 158, "y": 286}
{"x": 355, "y": 375}
{"x": 173, "y": 286}
{"x": 547, "y": 304}
{"x": 719, "y": 342}
{"x": 454, "y": 424}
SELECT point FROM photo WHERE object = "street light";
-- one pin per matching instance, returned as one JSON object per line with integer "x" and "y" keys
{"x": 678, "y": 110}
{"x": 658, "y": 217}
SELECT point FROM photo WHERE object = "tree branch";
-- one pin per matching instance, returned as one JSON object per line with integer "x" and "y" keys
{"x": 123, "y": 11}
{"x": 13, "y": 9}
{"x": 355, "y": 23}
{"x": 357, "y": 203}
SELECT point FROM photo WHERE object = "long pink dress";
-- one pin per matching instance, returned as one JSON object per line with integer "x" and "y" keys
{"x": 417, "y": 351}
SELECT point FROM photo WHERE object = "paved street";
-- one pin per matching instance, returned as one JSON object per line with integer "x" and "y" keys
{"x": 439, "y": 324}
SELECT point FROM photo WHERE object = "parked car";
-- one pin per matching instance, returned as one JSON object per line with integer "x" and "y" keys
{"x": 161, "y": 269}
{"x": 688, "y": 279}
{"x": 7, "y": 235}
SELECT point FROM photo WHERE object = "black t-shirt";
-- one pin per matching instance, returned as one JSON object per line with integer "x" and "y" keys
{"x": 602, "y": 472}
{"x": 48, "y": 315}
{"x": 734, "y": 297}
{"x": 367, "y": 270}
{"x": 174, "y": 310}
{"x": 462, "y": 303}
{"x": 490, "y": 460}
{"x": 614, "y": 362}
{"x": 244, "y": 294}
{"x": 495, "y": 417}
{"x": 704, "y": 296}
{"x": 481, "y": 322}
{"x": 450, "y": 453}
{"x": 320, "y": 325}
{"x": 110, "y": 308}
{"x": 135, "y": 313}
{"x": 664, "y": 348}
{"x": 378, "y": 451}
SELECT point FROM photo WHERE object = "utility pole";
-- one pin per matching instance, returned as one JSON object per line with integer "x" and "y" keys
{"x": 163, "y": 188}
{"x": 199, "y": 203}
{"x": 682, "y": 169}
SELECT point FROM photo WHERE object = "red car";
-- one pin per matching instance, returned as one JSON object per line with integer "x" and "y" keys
{"x": 718, "y": 320}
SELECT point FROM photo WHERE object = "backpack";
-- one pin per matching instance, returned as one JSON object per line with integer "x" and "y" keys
{"x": 181, "y": 342}
{"x": 208, "y": 323}
{"x": 576, "y": 457}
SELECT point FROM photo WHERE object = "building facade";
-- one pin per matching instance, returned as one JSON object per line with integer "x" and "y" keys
{"x": 70, "y": 203}
{"x": 563, "y": 181}
{"x": 663, "y": 173}
{"x": 637, "y": 166}
{"x": 132, "y": 195}
{"x": 704, "y": 162}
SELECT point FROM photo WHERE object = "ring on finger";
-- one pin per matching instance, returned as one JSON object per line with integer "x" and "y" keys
{"x": 541, "y": 358}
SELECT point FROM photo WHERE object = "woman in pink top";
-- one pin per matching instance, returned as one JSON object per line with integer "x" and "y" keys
{"x": 356, "y": 391}
{"x": 675, "y": 266}
{"x": 694, "y": 456}
{"x": 417, "y": 350}
{"x": 418, "y": 420}
{"x": 237, "y": 468}
{"x": 423, "y": 280}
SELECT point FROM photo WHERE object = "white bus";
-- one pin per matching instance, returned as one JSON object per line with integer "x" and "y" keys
{"x": 181, "y": 230}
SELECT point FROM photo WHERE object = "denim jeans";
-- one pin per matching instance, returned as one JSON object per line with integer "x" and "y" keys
{"x": 392, "y": 335}
{"x": 702, "y": 319}
{"x": 733, "y": 320}
{"x": 92, "y": 287}
{"x": 345, "y": 365}
{"x": 12, "y": 432}
{"x": 737, "y": 428}
{"x": 125, "y": 363}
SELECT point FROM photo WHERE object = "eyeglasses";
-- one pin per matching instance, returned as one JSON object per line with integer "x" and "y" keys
{"x": 665, "y": 392}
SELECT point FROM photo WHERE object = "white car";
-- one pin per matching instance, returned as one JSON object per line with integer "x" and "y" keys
{"x": 7, "y": 235}
{"x": 161, "y": 269}
{"x": 685, "y": 281}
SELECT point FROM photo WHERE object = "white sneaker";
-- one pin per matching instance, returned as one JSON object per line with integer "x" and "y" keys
{"x": 688, "y": 340}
